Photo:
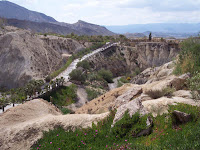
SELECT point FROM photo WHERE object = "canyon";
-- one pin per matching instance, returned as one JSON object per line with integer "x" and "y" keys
{"x": 25, "y": 56}
{"x": 123, "y": 59}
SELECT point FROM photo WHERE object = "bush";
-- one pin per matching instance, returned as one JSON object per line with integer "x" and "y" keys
{"x": 106, "y": 75}
{"x": 194, "y": 86}
{"x": 128, "y": 126}
{"x": 65, "y": 110}
{"x": 160, "y": 93}
{"x": 63, "y": 96}
{"x": 189, "y": 58}
{"x": 92, "y": 94}
{"x": 103, "y": 137}
{"x": 84, "y": 64}
{"x": 137, "y": 71}
{"x": 78, "y": 75}
{"x": 48, "y": 79}
{"x": 124, "y": 80}
{"x": 94, "y": 76}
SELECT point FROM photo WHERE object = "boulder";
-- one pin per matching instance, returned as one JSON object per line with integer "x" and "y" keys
{"x": 162, "y": 72}
{"x": 153, "y": 74}
{"x": 181, "y": 117}
{"x": 160, "y": 106}
{"x": 183, "y": 93}
{"x": 170, "y": 82}
{"x": 128, "y": 96}
{"x": 132, "y": 107}
{"x": 147, "y": 131}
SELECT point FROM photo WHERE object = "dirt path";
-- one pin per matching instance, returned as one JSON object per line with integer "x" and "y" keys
{"x": 82, "y": 99}
{"x": 82, "y": 96}
{"x": 114, "y": 85}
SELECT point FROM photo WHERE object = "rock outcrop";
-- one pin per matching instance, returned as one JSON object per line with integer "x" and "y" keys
{"x": 135, "y": 98}
{"x": 25, "y": 56}
{"x": 22, "y": 126}
{"x": 181, "y": 117}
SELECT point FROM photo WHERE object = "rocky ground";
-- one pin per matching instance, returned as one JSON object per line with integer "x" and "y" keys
{"x": 23, "y": 125}
{"x": 134, "y": 97}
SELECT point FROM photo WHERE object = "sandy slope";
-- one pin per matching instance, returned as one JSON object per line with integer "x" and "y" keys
{"x": 22, "y": 126}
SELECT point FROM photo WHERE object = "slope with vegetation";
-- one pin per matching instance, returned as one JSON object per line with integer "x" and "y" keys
{"x": 165, "y": 135}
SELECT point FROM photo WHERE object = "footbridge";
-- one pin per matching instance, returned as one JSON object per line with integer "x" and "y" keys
{"x": 73, "y": 65}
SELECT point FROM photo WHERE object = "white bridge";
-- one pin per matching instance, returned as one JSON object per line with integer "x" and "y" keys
{"x": 73, "y": 65}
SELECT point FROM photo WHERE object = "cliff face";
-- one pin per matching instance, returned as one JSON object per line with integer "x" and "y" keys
{"x": 123, "y": 59}
{"x": 25, "y": 56}
{"x": 155, "y": 54}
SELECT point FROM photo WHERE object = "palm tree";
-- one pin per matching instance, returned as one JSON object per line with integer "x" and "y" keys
{"x": 3, "y": 101}
{"x": 62, "y": 81}
{"x": 13, "y": 97}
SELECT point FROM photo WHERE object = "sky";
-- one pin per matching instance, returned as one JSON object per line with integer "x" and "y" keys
{"x": 117, "y": 12}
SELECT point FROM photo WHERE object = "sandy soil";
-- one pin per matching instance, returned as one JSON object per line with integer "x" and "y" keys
{"x": 22, "y": 126}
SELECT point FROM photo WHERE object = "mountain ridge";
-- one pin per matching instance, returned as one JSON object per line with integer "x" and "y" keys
{"x": 38, "y": 22}
{"x": 13, "y": 11}
{"x": 157, "y": 27}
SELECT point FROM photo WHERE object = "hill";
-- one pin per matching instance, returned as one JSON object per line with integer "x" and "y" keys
{"x": 25, "y": 56}
{"x": 38, "y": 22}
{"x": 14, "y": 11}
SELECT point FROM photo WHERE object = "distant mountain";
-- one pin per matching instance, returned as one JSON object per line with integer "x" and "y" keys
{"x": 87, "y": 28}
{"x": 157, "y": 27}
{"x": 13, "y": 11}
{"x": 23, "y": 18}
{"x": 160, "y": 34}
{"x": 136, "y": 35}
{"x": 59, "y": 28}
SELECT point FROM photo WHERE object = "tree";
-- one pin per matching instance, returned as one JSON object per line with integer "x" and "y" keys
{"x": 3, "y": 101}
{"x": 150, "y": 36}
{"x": 13, "y": 96}
{"x": 106, "y": 75}
{"x": 84, "y": 64}
{"x": 77, "y": 75}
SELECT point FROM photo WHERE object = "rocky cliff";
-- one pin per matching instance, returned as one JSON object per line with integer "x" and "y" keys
{"x": 124, "y": 59}
{"x": 24, "y": 55}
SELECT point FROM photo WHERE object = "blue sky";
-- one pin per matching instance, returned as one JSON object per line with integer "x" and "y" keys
{"x": 117, "y": 12}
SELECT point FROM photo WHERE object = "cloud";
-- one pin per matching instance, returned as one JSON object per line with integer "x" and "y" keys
{"x": 118, "y": 12}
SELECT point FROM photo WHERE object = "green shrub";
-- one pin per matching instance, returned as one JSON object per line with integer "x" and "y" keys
{"x": 103, "y": 137}
{"x": 65, "y": 110}
{"x": 92, "y": 94}
{"x": 189, "y": 57}
{"x": 124, "y": 80}
{"x": 106, "y": 75}
{"x": 137, "y": 71}
{"x": 63, "y": 96}
{"x": 94, "y": 76}
{"x": 77, "y": 75}
{"x": 194, "y": 85}
{"x": 160, "y": 93}
{"x": 128, "y": 126}
{"x": 84, "y": 64}
{"x": 48, "y": 79}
